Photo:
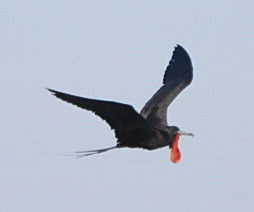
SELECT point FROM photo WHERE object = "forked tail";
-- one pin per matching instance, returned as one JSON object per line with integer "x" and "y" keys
{"x": 80, "y": 154}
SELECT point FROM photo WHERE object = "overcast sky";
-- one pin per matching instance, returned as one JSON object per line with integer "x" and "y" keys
{"x": 118, "y": 50}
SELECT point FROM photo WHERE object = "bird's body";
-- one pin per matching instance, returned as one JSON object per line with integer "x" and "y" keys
{"x": 147, "y": 129}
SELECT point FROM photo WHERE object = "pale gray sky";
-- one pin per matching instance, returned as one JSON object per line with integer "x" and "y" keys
{"x": 118, "y": 50}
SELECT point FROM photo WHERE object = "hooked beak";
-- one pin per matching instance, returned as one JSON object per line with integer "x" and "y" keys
{"x": 180, "y": 132}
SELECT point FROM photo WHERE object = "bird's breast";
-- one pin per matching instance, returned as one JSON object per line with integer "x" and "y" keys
{"x": 159, "y": 140}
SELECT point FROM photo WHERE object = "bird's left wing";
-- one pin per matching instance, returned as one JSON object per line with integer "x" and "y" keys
{"x": 178, "y": 75}
{"x": 117, "y": 115}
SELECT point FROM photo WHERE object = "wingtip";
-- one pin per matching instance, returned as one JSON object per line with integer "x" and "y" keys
{"x": 50, "y": 90}
{"x": 180, "y": 66}
{"x": 180, "y": 49}
{"x": 53, "y": 92}
{"x": 178, "y": 46}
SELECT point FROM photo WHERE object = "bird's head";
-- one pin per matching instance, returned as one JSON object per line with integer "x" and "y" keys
{"x": 175, "y": 155}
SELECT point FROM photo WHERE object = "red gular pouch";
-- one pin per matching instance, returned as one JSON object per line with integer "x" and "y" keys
{"x": 175, "y": 155}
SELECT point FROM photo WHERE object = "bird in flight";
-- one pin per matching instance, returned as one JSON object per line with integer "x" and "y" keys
{"x": 148, "y": 129}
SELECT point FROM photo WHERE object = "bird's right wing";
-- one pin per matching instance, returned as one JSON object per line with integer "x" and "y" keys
{"x": 117, "y": 115}
{"x": 178, "y": 75}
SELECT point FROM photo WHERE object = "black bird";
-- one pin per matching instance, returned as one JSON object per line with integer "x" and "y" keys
{"x": 147, "y": 129}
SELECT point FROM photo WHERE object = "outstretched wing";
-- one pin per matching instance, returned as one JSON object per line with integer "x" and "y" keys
{"x": 178, "y": 75}
{"x": 117, "y": 115}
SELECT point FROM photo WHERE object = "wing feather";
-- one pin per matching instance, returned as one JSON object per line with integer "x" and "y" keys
{"x": 117, "y": 115}
{"x": 178, "y": 75}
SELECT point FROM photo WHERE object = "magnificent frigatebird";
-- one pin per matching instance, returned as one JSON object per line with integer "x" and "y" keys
{"x": 147, "y": 129}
